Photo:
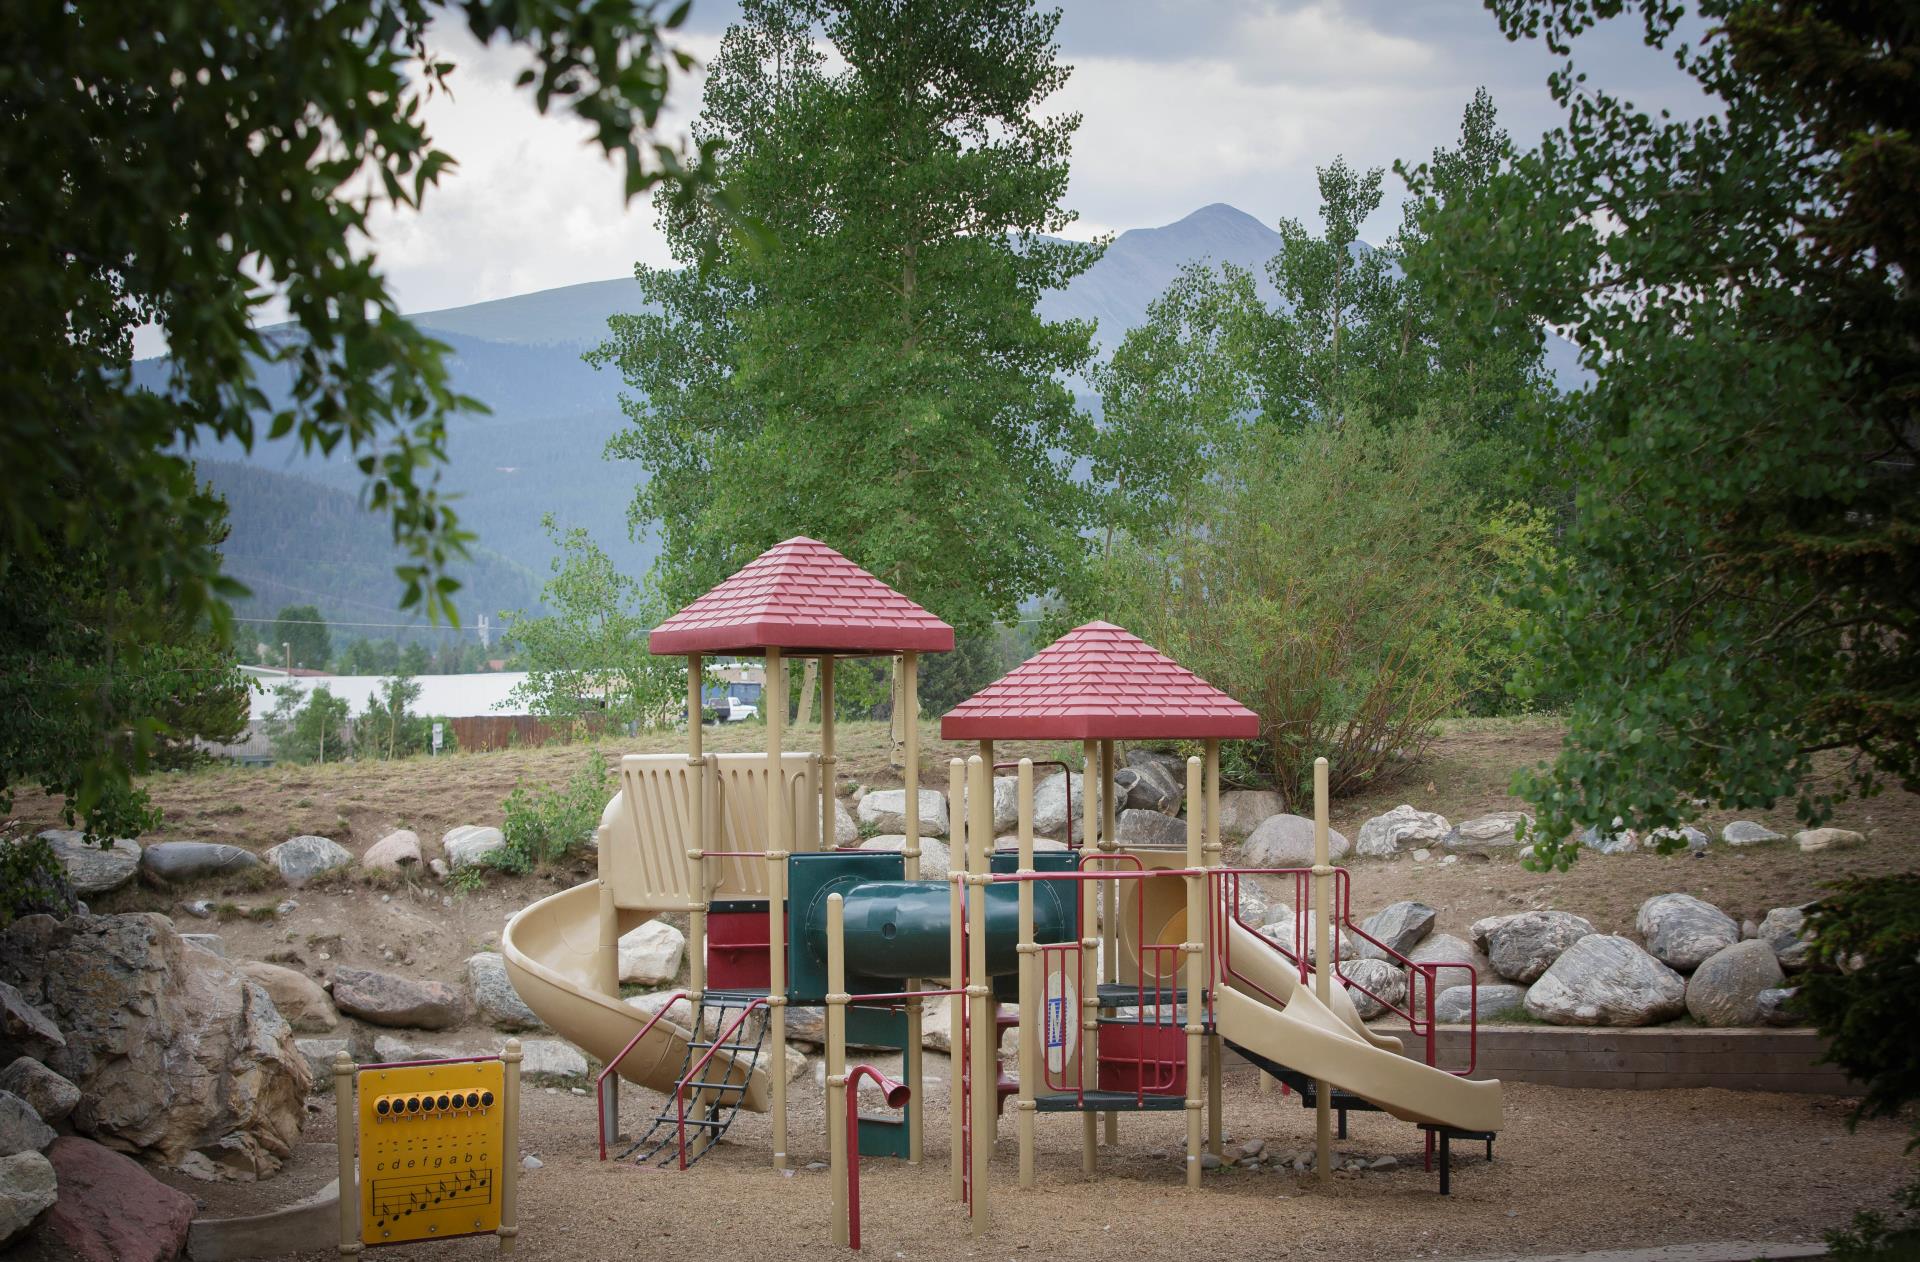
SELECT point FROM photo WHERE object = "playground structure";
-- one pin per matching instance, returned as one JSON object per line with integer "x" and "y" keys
{"x": 1130, "y": 968}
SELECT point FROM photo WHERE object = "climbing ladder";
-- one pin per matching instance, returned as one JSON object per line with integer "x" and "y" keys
{"x": 710, "y": 1086}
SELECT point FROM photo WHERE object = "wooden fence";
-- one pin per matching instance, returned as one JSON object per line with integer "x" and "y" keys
{"x": 501, "y": 731}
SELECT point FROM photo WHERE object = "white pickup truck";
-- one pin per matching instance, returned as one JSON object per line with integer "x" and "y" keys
{"x": 731, "y": 710}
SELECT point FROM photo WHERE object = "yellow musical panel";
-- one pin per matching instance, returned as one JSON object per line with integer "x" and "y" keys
{"x": 431, "y": 1151}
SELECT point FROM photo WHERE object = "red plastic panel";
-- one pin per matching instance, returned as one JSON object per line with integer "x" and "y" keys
{"x": 1143, "y": 1058}
{"x": 737, "y": 956}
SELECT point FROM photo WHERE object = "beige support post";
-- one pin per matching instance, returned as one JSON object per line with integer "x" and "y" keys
{"x": 1195, "y": 948}
{"x": 697, "y": 840}
{"x": 837, "y": 1062}
{"x": 1216, "y": 1050}
{"x": 809, "y": 675}
{"x": 1089, "y": 958}
{"x": 829, "y": 761}
{"x": 606, "y": 956}
{"x": 956, "y": 968}
{"x": 1323, "y": 963}
{"x": 346, "y": 1106}
{"x": 986, "y": 1058}
{"x": 1110, "y": 892}
{"x": 913, "y": 1055}
{"x": 775, "y": 696}
{"x": 1030, "y": 1001}
{"x": 509, "y": 1227}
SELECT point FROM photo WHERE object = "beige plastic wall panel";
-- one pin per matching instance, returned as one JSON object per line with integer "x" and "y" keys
{"x": 649, "y": 871}
{"x": 645, "y": 846}
{"x": 741, "y": 784}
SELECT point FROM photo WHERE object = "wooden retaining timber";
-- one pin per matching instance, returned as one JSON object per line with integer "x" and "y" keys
{"x": 1645, "y": 1059}
{"x": 1649, "y": 1059}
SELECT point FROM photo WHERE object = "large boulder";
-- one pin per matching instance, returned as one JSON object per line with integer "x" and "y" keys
{"x": 1375, "y": 986}
{"x": 551, "y": 1060}
{"x": 845, "y": 831}
{"x": 300, "y": 859}
{"x": 495, "y": 996}
{"x": 471, "y": 845}
{"x": 1673, "y": 840}
{"x": 50, "y": 1096}
{"x": 1813, "y": 840}
{"x": 651, "y": 954}
{"x": 885, "y": 811}
{"x": 1775, "y": 1006}
{"x": 1482, "y": 929}
{"x": 1150, "y": 828}
{"x": 300, "y": 999}
{"x": 320, "y": 1055}
{"x": 1681, "y": 931}
{"x": 1524, "y": 946}
{"x": 28, "y": 1188}
{"x": 1484, "y": 833}
{"x": 1444, "y": 948}
{"x": 398, "y": 851}
{"x": 390, "y": 1000}
{"x": 1399, "y": 927}
{"x": 178, "y": 1056}
{"x": 1604, "y": 979}
{"x": 1052, "y": 808}
{"x": 24, "y": 1029}
{"x": 111, "y": 1210}
{"x": 1244, "y": 810}
{"x": 1402, "y": 828}
{"x": 1726, "y": 988}
{"x": 1281, "y": 928}
{"x": 21, "y": 1129}
{"x": 1614, "y": 839}
{"x": 1286, "y": 841}
{"x": 192, "y": 860}
{"x": 934, "y": 856}
{"x": 1456, "y": 1005}
{"x": 1006, "y": 803}
{"x": 1152, "y": 782}
{"x": 92, "y": 869}
{"x": 1745, "y": 832}
{"x": 1785, "y": 930}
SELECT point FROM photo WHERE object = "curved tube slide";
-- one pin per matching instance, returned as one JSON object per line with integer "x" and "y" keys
{"x": 550, "y": 950}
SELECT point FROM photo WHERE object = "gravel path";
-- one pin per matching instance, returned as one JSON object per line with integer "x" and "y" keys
{"x": 1575, "y": 1170}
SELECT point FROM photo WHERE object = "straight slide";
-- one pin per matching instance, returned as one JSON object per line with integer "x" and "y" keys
{"x": 1290, "y": 1026}
{"x": 551, "y": 948}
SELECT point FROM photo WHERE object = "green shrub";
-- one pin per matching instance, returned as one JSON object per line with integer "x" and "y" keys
{"x": 32, "y": 881}
{"x": 545, "y": 825}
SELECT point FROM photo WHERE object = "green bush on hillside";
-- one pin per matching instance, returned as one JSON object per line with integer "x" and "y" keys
{"x": 545, "y": 825}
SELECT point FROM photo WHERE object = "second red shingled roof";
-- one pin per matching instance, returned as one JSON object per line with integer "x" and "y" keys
{"x": 1099, "y": 682}
{"x": 801, "y": 596}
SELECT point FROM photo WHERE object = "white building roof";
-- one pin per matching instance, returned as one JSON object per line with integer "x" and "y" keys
{"x": 451, "y": 696}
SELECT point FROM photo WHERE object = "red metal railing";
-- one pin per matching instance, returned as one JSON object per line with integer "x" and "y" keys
{"x": 600, "y": 1080}
{"x": 896, "y": 1095}
{"x": 1421, "y": 977}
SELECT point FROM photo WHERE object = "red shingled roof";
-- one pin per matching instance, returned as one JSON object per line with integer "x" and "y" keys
{"x": 1099, "y": 682}
{"x": 802, "y": 596}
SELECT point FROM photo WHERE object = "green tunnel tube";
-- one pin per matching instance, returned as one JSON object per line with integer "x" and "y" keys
{"x": 899, "y": 929}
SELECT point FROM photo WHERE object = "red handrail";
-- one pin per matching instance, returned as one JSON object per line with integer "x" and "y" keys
{"x": 600, "y": 1079}
{"x": 896, "y": 1094}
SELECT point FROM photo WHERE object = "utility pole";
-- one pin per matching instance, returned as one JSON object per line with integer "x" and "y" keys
{"x": 287, "y": 648}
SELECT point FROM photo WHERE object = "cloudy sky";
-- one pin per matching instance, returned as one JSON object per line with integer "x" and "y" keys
{"x": 1184, "y": 102}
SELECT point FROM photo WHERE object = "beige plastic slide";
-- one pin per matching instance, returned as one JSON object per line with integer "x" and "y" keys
{"x": 550, "y": 949}
{"x": 1334, "y": 1045}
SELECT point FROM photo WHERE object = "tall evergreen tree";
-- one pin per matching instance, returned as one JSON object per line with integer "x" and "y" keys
{"x": 880, "y": 378}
